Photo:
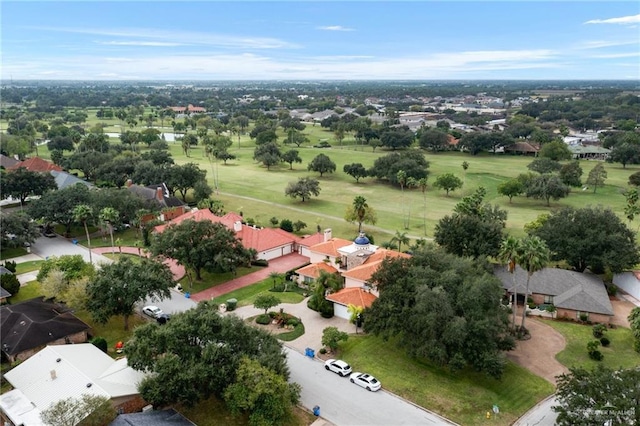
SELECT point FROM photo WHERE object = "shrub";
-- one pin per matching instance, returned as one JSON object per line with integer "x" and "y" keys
{"x": 260, "y": 262}
{"x": 263, "y": 319}
{"x": 272, "y": 314}
{"x": 596, "y": 355}
{"x": 584, "y": 317}
{"x": 294, "y": 321}
{"x": 10, "y": 265}
{"x": 286, "y": 225}
{"x": 598, "y": 330}
{"x": 274, "y": 221}
{"x": 593, "y": 345}
{"x": 612, "y": 289}
{"x": 231, "y": 304}
{"x": 604, "y": 341}
{"x": 100, "y": 343}
{"x": 326, "y": 310}
{"x": 322, "y": 351}
{"x": 10, "y": 283}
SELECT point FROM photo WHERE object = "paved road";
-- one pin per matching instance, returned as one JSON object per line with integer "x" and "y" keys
{"x": 540, "y": 415}
{"x": 59, "y": 246}
{"x": 346, "y": 404}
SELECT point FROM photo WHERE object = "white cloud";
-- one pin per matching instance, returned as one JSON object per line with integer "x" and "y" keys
{"x": 624, "y": 20}
{"x": 597, "y": 44}
{"x": 181, "y": 37}
{"x": 618, "y": 55}
{"x": 334, "y": 28}
{"x": 140, "y": 43}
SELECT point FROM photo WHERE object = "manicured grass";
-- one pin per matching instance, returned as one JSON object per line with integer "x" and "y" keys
{"x": 32, "y": 265}
{"x": 210, "y": 279}
{"x": 116, "y": 256}
{"x": 247, "y": 295}
{"x": 619, "y": 353}
{"x": 214, "y": 412}
{"x": 28, "y": 291}
{"x": 463, "y": 397}
{"x": 293, "y": 334}
{"x": 267, "y": 199}
{"x": 9, "y": 253}
{"x": 113, "y": 330}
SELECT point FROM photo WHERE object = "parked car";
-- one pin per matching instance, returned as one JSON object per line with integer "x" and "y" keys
{"x": 153, "y": 311}
{"x": 367, "y": 381}
{"x": 338, "y": 367}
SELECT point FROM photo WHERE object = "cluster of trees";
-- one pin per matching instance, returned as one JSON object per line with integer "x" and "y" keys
{"x": 444, "y": 308}
{"x": 552, "y": 181}
{"x": 249, "y": 368}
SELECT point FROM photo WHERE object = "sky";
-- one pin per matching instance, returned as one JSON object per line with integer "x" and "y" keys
{"x": 320, "y": 40}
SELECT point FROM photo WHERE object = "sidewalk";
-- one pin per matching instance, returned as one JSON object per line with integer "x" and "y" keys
{"x": 281, "y": 265}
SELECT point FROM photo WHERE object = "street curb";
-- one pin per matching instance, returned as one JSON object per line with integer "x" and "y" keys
{"x": 535, "y": 407}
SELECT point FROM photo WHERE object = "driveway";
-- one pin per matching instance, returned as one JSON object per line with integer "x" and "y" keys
{"x": 60, "y": 246}
{"x": 346, "y": 404}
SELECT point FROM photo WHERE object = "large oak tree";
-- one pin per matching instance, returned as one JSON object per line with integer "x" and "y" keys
{"x": 590, "y": 237}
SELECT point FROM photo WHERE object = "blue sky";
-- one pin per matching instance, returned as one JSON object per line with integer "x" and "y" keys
{"x": 306, "y": 40}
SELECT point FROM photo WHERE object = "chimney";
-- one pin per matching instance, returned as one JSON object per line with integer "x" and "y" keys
{"x": 327, "y": 234}
{"x": 53, "y": 374}
{"x": 237, "y": 226}
{"x": 129, "y": 183}
{"x": 159, "y": 194}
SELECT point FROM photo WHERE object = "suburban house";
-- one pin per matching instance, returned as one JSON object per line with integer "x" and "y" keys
{"x": 36, "y": 164}
{"x": 188, "y": 109}
{"x": 65, "y": 180}
{"x": 7, "y": 162}
{"x": 29, "y": 326}
{"x": 269, "y": 243}
{"x": 158, "y": 195}
{"x": 589, "y": 152}
{"x": 68, "y": 371}
{"x": 4, "y": 295}
{"x": 629, "y": 282}
{"x": 523, "y": 148}
{"x": 574, "y": 294}
{"x": 356, "y": 261}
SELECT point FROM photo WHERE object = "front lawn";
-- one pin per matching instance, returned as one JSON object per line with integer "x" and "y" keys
{"x": 247, "y": 295}
{"x": 212, "y": 279}
{"x": 619, "y": 354}
{"x": 113, "y": 330}
{"x": 28, "y": 291}
{"x": 10, "y": 253}
{"x": 29, "y": 266}
{"x": 464, "y": 397}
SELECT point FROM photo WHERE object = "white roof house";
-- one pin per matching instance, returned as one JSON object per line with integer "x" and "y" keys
{"x": 66, "y": 371}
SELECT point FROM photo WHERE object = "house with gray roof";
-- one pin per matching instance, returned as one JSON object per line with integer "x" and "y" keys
{"x": 65, "y": 180}
{"x": 29, "y": 326}
{"x": 169, "y": 417}
{"x": 572, "y": 293}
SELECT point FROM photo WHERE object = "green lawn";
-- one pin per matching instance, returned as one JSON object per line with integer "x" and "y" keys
{"x": 619, "y": 354}
{"x": 28, "y": 291}
{"x": 463, "y": 397}
{"x": 113, "y": 330}
{"x": 210, "y": 279}
{"x": 31, "y": 265}
{"x": 247, "y": 295}
{"x": 9, "y": 253}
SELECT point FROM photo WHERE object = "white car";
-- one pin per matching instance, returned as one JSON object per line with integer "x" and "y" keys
{"x": 152, "y": 311}
{"x": 338, "y": 367}
{"x": 367, "y": 381}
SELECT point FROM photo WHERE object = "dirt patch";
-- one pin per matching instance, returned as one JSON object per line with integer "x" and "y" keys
{"x": 538, "y": 354}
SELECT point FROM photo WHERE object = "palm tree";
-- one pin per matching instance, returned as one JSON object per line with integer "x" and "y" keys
{"x": 109, "y": 215}
{"x": 82, "y": 213}
{"x": 360, "y": 212}
{"x": 533, "y": 256}
{"x": 422, "y": 183}
{"x": 400, "y": 238}
{"x": 509, "y": 250}
{"x": 401, "y": 177}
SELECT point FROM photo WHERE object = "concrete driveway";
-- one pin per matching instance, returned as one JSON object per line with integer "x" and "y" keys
{"x": 60, "y": 246}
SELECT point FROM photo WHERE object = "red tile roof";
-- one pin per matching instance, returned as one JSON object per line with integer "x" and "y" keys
{"x": 354, "y": 296}
{"x": 255, "y": 238}
{"x": 314, "y": 269}
{"x": 331, "y": 247}
{"x": 36, "y": 164}
{"x": 370, "y": 266}
{"x": 311, "y": 240}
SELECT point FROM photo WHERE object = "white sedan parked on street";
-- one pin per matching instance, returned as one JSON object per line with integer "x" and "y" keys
{"x": 338, "y": 367}
{"x": 367, "y": 381}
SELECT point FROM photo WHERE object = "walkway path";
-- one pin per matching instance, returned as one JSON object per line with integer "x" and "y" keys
{"x": 281, "y": 265}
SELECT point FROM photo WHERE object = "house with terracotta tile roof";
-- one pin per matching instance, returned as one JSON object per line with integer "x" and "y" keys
{"x": 356, "y": 261}
{"x": 36, "y": 164}
{"x": 188, "y": 109}
{"x": 350, "y": 296}
{"x": 269, "y": 243}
